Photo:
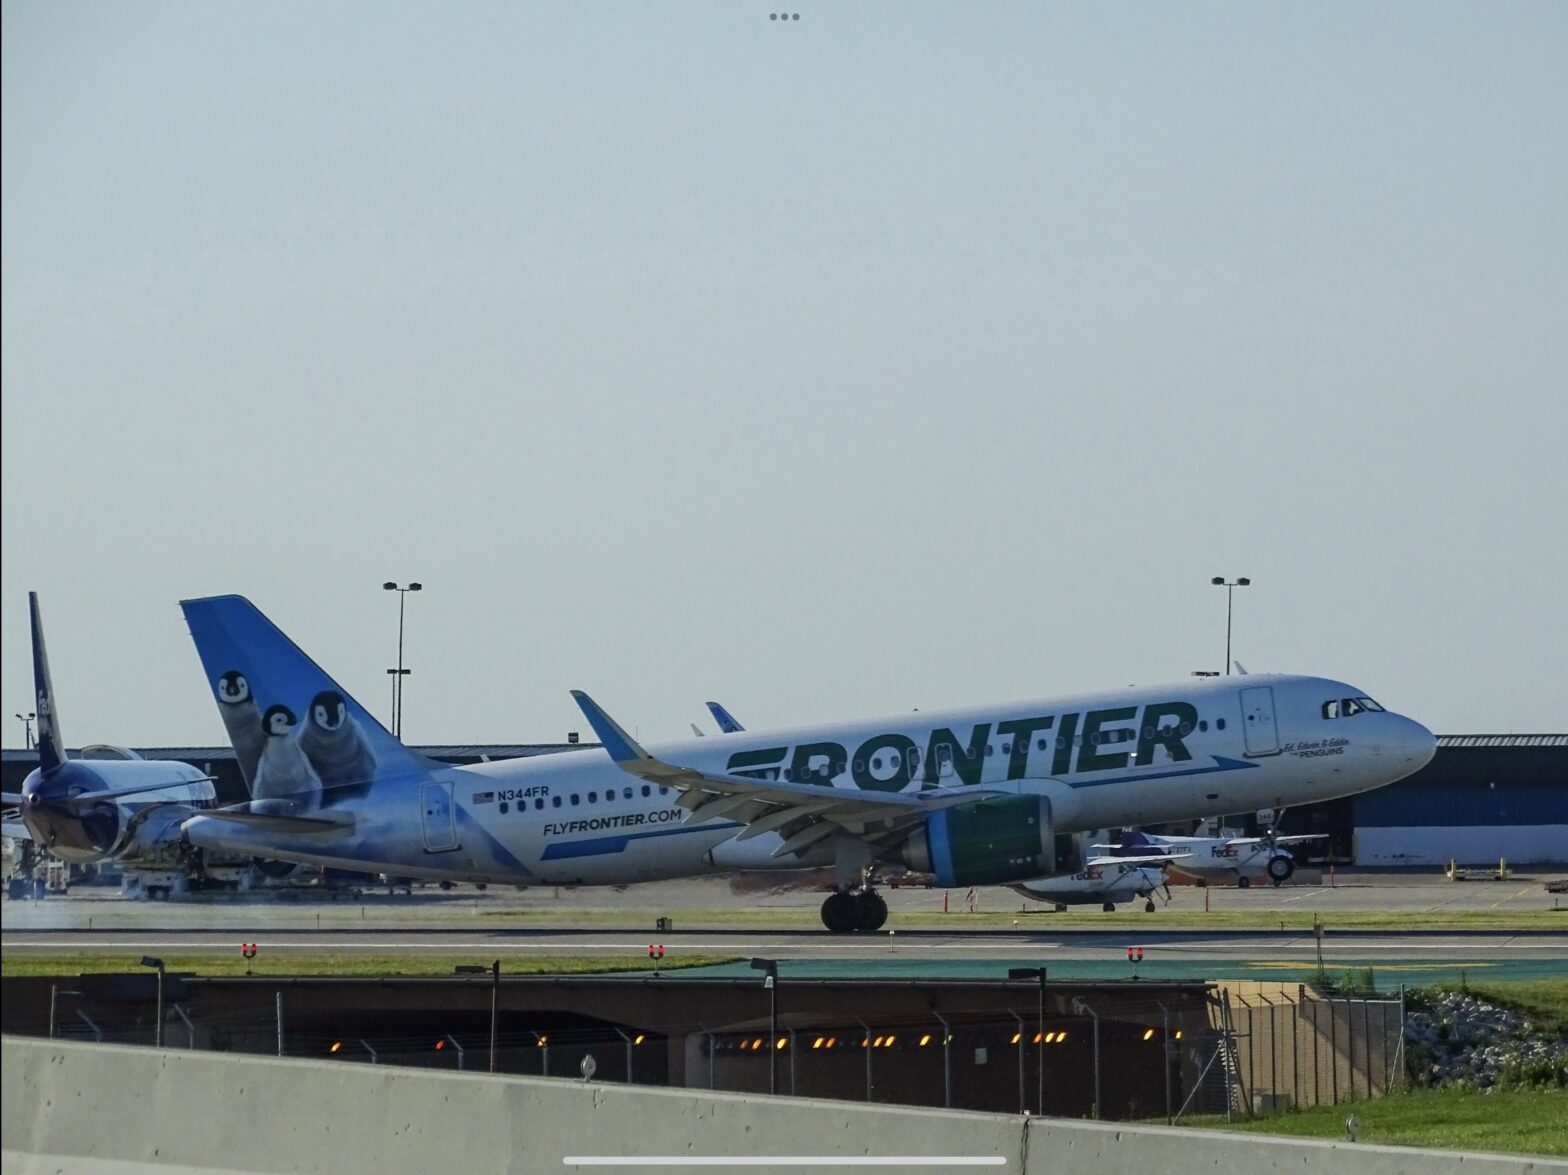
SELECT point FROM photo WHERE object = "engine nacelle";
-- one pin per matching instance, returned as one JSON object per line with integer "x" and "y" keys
{"x": 988, "y": 842}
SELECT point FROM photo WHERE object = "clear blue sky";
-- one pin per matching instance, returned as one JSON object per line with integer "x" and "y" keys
{"x": 901, "y": 355}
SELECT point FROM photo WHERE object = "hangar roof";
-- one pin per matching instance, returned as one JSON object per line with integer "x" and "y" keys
{"x": 1502, "y": 740}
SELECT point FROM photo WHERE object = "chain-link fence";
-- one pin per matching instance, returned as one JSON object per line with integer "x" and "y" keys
{"x": 1299, "y": 1048}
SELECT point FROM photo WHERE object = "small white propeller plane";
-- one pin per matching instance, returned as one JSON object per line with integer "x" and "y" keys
{"x": 1211, "y": 858}
{"x": 1107, "y": 880}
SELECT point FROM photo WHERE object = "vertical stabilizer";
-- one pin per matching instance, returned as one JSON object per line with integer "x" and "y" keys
{"x": 51, "y": 751}
{"x": 299, "y": 736}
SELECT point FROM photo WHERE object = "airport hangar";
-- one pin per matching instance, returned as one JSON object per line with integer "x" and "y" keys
{"x": 1483, "y": 797}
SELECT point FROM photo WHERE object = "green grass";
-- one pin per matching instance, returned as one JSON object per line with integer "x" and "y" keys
{"x": 1533, "y": 1122}
{"x": 348, "y": 963}
{"x": 1544, "y": 1001}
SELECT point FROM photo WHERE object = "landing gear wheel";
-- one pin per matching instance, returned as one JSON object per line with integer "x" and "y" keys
{"x": 1148, "y": 906}
{"x": 1243, "y": 883}
{"x": 841, "y": 912}
{"x": 870, "y": 909}
{"x": 1280, "y": 869}
{"x": 1109, "y": 907}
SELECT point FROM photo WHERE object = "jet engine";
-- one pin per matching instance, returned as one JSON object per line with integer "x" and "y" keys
{"x": 987, "y": 842}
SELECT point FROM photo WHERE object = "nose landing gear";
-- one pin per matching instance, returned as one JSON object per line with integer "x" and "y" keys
{"x": 846, "y": 911}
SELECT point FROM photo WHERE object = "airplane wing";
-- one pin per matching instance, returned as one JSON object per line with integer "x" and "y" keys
{"x": 1157, "y": 858}
{"x": 765, "y": 805}
{"x": 1298, "y": 838}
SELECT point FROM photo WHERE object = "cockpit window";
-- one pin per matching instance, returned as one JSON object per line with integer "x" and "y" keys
{"x": 1348, "y": 707}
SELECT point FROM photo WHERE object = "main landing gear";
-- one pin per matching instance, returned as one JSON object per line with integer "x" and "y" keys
{"x": 846, "y": 911}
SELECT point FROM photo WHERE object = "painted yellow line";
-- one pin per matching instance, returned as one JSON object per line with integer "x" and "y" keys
{"x": 1512, "y": 896}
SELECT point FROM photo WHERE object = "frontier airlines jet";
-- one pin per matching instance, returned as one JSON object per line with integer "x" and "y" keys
{"x": 981, "y": 796}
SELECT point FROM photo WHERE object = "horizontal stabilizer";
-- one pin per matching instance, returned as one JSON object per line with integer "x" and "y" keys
{"x": 339, "y": 824}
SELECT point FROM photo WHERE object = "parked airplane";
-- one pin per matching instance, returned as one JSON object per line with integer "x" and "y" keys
{"x": 108, "y": 803}
{"x": 1221, "y": 857}
{"x": 1106, "y": 880}
{"x": 976, "y": 797}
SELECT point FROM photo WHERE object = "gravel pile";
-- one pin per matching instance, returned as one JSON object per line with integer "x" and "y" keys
{"x": 1462, "y": 1040}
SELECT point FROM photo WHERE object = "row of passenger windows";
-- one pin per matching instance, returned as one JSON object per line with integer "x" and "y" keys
{"x": 1347, "y": 707}
{"x": 945, "y": 753}
{"x": 593, "y": 797}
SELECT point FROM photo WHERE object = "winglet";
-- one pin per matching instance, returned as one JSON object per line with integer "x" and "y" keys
{"x": 621, "y": 746}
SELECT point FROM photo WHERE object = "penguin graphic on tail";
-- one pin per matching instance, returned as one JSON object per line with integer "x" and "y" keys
{"x": 285, "y": 780}
{"x": 242, "y": 719}
{"x": 336, "y": 746}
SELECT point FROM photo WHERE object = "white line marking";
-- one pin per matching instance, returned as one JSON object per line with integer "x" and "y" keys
{"x": 784, "y": 1161}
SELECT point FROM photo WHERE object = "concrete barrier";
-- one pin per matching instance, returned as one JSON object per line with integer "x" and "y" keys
{"x": 121, "y": 1110}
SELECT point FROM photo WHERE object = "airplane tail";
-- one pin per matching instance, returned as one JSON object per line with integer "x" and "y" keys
{"x": 299, "y": 736}
{"x": 51, "y": 750}
{"x": 727, "y": 723}
{"x": 1135, "y": 838}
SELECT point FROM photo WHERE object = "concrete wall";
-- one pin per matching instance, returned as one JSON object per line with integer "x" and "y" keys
{"x": 120, "y": 1109}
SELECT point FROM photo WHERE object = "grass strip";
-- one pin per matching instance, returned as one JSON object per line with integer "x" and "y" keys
{"x": 1532, "y": 1122}
{"x": 296, "y": 963}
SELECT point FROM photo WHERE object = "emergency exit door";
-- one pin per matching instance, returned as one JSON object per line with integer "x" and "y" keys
{"x": 440, "y": 819}
{"x": 1257, "y": 720}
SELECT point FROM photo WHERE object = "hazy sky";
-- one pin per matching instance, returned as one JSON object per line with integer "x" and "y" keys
{"x": 901, "y": 355}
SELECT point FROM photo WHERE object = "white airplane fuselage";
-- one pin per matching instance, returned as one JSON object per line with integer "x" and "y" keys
{"x": 1131, "y": 756}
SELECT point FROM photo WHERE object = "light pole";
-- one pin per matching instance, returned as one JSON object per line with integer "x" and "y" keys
{"x": 27, "y": 729}
{"x": 495, "y": 996}
{"x": 1230, "y": 586}
{"x": 1039, "y": 1033}
{"x": 399, "y": 673}
{"x": 770, "y": 970}
{"x": 149, "y": 961}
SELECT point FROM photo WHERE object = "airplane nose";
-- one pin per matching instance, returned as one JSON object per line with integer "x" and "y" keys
{"x": 1419, "y": 743}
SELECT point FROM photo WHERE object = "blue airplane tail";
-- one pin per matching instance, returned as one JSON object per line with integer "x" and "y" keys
{"x": 726, "y": 721}
{"x": 51, "y": 751}
{"x": 1136, "y": 838}
{"x": 301, "y": 740}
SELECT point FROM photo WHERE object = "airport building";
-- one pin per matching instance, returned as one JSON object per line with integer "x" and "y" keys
{"x": 1484, "y": 797}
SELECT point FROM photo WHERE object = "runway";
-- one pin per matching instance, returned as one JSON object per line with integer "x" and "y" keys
{"x": 710, "y": 919}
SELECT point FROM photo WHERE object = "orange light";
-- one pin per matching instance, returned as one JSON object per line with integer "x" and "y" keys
{"x": 543, "y": 1040}
{"x": 1148, "y": 1034}
{"x": 832, "y": 1040}
{"x": 336, "y": 1045}
{"x": 1038, "y": 1037}
{"x": 757, "y": 1044}
{"x": 440, "y": 1044}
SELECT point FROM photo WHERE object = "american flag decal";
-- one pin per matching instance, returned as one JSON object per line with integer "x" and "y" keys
{"x": 484, "y": 797}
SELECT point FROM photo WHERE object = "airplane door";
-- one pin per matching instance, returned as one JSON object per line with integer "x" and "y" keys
{"x": 1257, "y": 720}
{"x": 440, "y": 818}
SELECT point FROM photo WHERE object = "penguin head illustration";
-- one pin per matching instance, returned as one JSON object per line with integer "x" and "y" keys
{"x": 233, "y": 688}
{"x": 278, "y": 721}
{"x": 328, "y": 710}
